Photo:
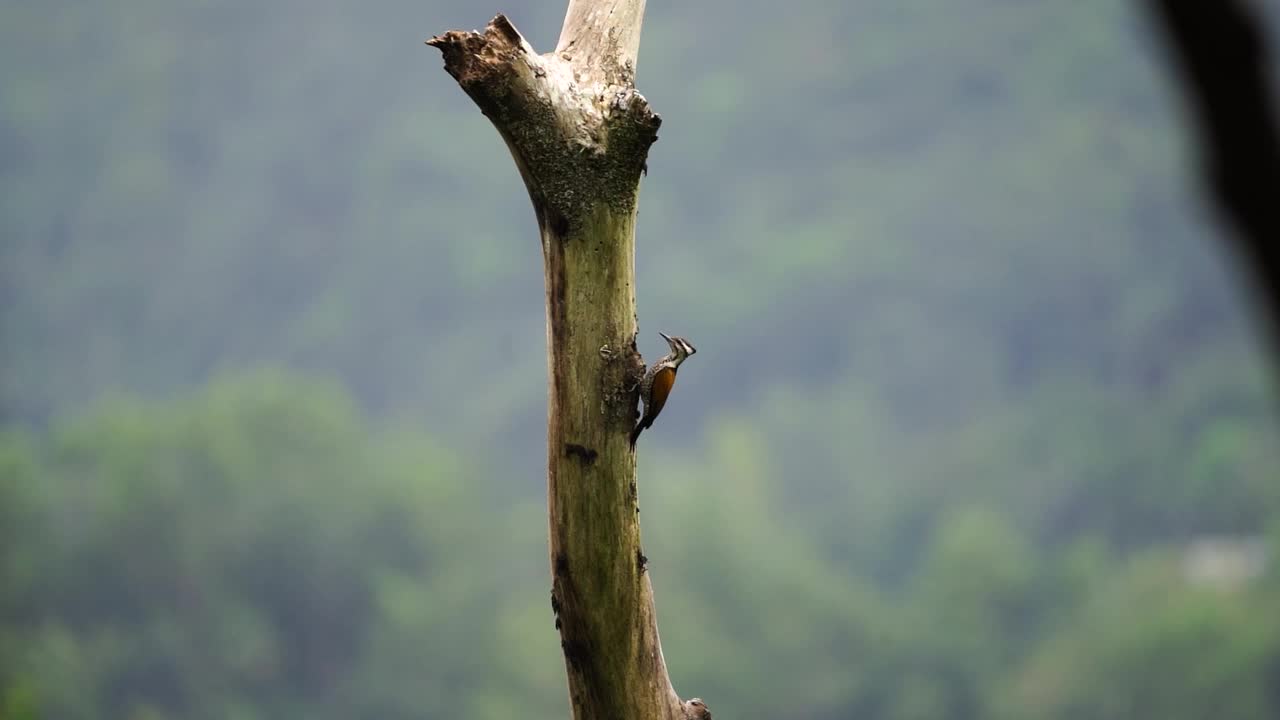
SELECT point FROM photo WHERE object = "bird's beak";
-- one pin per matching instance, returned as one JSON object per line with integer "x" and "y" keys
{"x": 666, "y": 337}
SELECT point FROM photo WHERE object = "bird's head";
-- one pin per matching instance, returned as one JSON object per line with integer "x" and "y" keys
{"x": 680, "y": 348}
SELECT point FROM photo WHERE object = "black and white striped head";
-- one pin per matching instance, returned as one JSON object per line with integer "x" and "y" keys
{"x": 680, "y": 348}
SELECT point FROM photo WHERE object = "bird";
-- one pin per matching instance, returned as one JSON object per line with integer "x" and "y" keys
{"x": 658, "y": 380}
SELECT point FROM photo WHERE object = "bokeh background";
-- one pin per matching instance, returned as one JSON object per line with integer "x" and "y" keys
{"x": 981, "y": 423}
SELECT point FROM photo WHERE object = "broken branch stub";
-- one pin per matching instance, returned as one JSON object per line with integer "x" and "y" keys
{"x": 576, "y": 142}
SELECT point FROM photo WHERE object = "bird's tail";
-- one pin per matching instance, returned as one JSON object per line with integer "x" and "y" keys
{"x": 639, "y": 428}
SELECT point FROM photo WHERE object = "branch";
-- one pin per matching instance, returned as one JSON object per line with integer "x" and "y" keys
{"x": 567, "y": 130}
{"x": 1219, "y": 52}
{"x": 601, "y": 39}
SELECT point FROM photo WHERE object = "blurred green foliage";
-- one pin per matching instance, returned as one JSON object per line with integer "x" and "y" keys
{"x": 973, "y": 373}
{"x": 253, "y": 551}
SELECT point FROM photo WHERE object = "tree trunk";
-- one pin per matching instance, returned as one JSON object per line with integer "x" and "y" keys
{"x": 579, "y": 134}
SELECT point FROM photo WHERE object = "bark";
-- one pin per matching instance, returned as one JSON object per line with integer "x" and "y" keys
{"x": 580, "y": 133}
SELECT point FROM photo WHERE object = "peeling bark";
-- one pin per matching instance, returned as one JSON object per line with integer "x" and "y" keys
{"x": 580, "y": 133}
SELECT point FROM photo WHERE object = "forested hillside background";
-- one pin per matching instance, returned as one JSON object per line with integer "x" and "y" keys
{"x": 980, "y": 425}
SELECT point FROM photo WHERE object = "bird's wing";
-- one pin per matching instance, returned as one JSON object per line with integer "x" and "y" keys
{"x": 662, "y": 383}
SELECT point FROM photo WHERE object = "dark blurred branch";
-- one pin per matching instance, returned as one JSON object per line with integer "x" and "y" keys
{"x": 1219, "y": 51}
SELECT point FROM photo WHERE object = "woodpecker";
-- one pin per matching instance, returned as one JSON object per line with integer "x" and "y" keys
{"x": 658, "y": 380}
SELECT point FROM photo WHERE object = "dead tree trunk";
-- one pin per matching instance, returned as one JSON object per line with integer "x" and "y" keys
{"x": 579, "y": 134}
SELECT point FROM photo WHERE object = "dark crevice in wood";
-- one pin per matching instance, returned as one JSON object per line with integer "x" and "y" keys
{"x": 585, "y": 454}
